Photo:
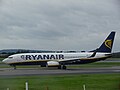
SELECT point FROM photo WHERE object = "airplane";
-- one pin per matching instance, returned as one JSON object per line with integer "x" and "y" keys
{"x": 60, "y": 60}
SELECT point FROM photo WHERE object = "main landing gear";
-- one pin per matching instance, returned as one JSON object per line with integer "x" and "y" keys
{"x": 62, "y": 67}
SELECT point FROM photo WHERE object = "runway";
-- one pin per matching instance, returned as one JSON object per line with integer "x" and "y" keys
{"x": 46, "y": 71}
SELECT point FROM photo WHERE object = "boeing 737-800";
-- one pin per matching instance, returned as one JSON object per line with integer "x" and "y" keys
{"x": 60, "y": 60}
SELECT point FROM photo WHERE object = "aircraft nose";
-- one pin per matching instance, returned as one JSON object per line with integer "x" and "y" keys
{"x": 5, "y": 60}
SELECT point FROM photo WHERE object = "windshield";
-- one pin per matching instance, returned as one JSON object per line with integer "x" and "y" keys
{"x": 10, "y": 57}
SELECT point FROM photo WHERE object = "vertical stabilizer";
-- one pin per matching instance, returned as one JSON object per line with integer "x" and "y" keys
{"x": 107, "y": 44}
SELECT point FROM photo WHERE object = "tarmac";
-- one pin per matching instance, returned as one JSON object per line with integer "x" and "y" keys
{"x": 52, "y": 71}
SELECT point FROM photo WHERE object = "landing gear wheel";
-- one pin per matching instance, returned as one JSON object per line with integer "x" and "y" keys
{"x": 64, "y": 67}
{"x": 14, "y": 67}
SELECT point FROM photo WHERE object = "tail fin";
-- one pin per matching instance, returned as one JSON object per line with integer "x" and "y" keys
{"x": 107, "y": 44}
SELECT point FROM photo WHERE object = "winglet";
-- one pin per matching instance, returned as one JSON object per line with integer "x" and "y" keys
{"x": 107, "y": 44}
{"x": 94, "y": 53}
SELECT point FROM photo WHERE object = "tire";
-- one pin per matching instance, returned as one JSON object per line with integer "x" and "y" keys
{"x": 64, "y": 67}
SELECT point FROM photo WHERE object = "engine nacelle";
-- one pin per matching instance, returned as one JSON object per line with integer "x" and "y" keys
{"x": 53, "y": 64}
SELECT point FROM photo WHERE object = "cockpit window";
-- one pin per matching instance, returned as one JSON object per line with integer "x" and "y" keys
{"x": 10, "y": 57}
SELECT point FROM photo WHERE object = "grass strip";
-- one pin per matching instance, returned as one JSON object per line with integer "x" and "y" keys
{"x": 63, "y": 82}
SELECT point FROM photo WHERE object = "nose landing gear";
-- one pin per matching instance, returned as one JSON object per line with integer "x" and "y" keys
{"x": 14, "y": 66}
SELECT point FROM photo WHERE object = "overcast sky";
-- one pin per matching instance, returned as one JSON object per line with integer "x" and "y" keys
{"x": 58, "y": 24}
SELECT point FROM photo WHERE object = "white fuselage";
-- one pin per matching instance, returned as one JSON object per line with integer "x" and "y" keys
{"x": 62, "y": 59}
{"x": 59, "y": 57}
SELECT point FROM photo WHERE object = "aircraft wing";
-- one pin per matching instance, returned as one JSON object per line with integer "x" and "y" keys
{"x": 78, "y": 59}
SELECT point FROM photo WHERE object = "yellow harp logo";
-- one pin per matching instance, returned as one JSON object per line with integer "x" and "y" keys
{"x": 108, "y": 43}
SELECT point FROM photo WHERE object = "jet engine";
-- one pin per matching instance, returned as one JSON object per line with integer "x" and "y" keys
{"x": 53, "y": 64}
